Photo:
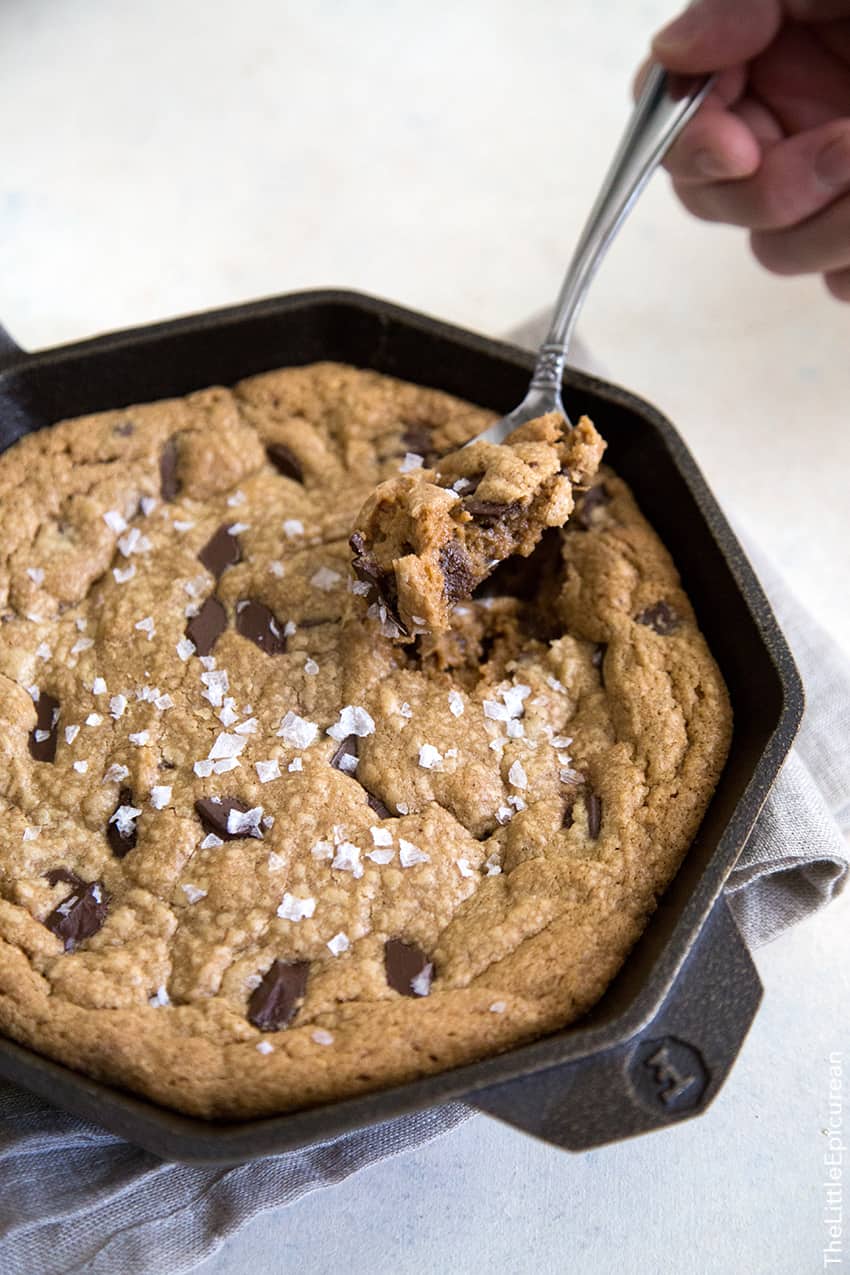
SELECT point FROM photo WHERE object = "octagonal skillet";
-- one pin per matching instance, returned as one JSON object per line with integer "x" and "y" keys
{"x": 660, "y": 1043}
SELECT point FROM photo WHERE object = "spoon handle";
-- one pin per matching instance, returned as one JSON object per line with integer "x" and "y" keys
{"x": 662, "y": 110}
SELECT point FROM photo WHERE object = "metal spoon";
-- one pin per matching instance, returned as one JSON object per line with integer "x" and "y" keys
{"x": 662, "y": 110}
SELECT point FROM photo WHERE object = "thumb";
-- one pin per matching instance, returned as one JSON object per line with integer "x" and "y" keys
{"x": 714, "y": 34}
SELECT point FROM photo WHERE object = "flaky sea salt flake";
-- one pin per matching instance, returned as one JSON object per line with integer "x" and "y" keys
{"x": 160, "y": 796}
{"x": 455, "y": 703}
{"x": 412, "y": 461}
{"x": 115, "y": 521}
{"x": 211, "y": 841}
{"x": 185, "y": 648}
{"x": 430, "y": 758}
{"x": 242, "y": 823}
{"x": 381, "y": 836}
{"x": 410, "y": 854}
{"x": 203, "y": 768}
{"x": 293, "y": 527}
{"x": 325, "y": 579}
{"x": 267, "y": 770}
{"x": 338, "y": 944}
{"x": 297, "y": 731}
{"x": 123, "y": 574}
{"x": 517, "y": 776}
{"x": 227, "y": 745}
{"x": 295, "y": 909}
{"x": 353, "y": 720}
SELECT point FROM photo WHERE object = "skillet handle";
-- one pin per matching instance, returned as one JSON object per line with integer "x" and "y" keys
{"x": 669, "y": 1071}
{"x": 10, "y": 351}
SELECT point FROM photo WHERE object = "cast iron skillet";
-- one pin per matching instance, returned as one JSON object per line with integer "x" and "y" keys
{"x": 660, "y": 1043}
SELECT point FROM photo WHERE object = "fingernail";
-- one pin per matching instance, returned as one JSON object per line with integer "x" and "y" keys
{"x": 706, "y": 164}
{"x": 832, "y": 164}
{"x": 682, "y": 30}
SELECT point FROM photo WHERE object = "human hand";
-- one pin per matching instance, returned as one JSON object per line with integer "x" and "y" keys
{"x": 770, "y": 149}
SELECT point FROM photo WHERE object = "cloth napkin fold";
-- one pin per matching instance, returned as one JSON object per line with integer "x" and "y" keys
{"x": 74, "y": 1197}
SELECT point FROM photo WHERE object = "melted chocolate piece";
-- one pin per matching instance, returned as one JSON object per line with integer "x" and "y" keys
{"x": 348, "y": 748}
{"x": 383, "y": 583}
{"x": 418, "y": 438}
{"x": 588, "y": 505}
{"x": 661, "y": 618}
{"x": 285, "y": 461}
{"x": 169, "y": 483}
{"x": 376, "y": 804}
{"x": 458, "y": 578}
{"x": 405, "y": 962}
{"x": 256, "y": 622}
{"x": 568, "y": 821}
{"x": 205, "y": 628}
{"x": 80, "y": 915}
{"x": 46, "y": 720}
{"x": 594, "y": 815}
{"x": 120, "y": 842}
{"x": 213, "y": 813}
{"x": 221, "y": 551}
{"x": 55, "y": 875}
{"x": 489, "y": 510}
{"x": 279, "y": 997}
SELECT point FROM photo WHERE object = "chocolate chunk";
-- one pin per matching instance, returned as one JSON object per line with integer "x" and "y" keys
{"x": 55, "y": 875}
{"x": 169, "y": 483}
{"x": 279, "y": 997}
{"x": 285, "y": 461}
{"x": 418, "y": 438}
{"x": 79, "y": 915}
{"x": 661, "y": 618}
{"x": 375, "y": 803}
{"x": 42, "y": 740}
{"x": 213, "y": 813}
{"x": 594, "y": 815}
{"x": 588, "y": 506}
{"x": 205, "y": 628}
{"x": 366, "y": 568}
{"x": 567, "y": 821}
{"x": 458, "y": 579}
{"x": 260, "y": 625}
{"x": 122, "y": 838}
{"x": 221, "y": 551}
{"x": 405, "y": 965}
{"x": 489, "y": 510}
{"x": 349, "y": 748}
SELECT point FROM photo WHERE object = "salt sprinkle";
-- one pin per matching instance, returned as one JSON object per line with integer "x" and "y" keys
{"x": 163, "y": 702}
{"x": 123, "y": 574}
{"x": 133, "y": 542}
{"x": 353, "y": 720}
{"x": 203, "y": 768}
{"x": 325, "y": 579}
{"x": 194, "y": 893}
{"x": 148, "y": 504}
{"x": 276, "y": 569}
{"x": 31, "y": 834}
{"x": 34, "y": 693}
{"x": 515, "y": 729}
{"x": 429, "y": 757}
{"x": 98, "y": 686}
{"x": 293, "y": 527}
{"x": 311, "y": 668}
{"x": 238, "y": 498}
{"x": 115, "y": 774}
{"x": 381, "y": 857}
{"x": 296, "y": 764}
{"x": 226, "y": 745}
{"x": 82, "y": 644}
{"x": 267, "y": 770}
{"x": 263, "y": 1047}
{"x": 421, "y": 984}
{"x": 381, "y": 836}
{"x": 517, "y": 776}
{"x": 347, "y": 859}
{"x": 36, "y": 574}
{"x": 210, "y": 841}
{"x": 555, "y": 685}
{"x": 464, "y": 869}
{"x": 147, "y": 626}
{"x": 455, "y": 703}
{"x": 410, "y": 854}
{"x": 81, "y": 767}
{"x": 321, "y": 1037}
{"x": 182, "y": 526}
{"x": 498, "y": 1007}
{"x": 114, "y": 521}
{"x": 160, "y": 796}
{"x": 569, "y": 776}
{"x": 361, "y": 588}
{"x": 289, "y": 629}
{"x": 276, "y": 861}
{"x": 125, "y": 818}
{"x": 402, "y": 807}
{"x": 504, "y": 815}
{"x": 412, "y": 460}
{"x": 339, "y": 943}
{"x": 43, "y": 651}
{"x": 185, "y": 648}
{"x": 160, "y": 997}
{"x": 139, "y": 738}
{"x": 94, "y": 719}
{"x": 405, "y": 710}
{"x": 71, "y": 733}
{"x": 297, "y": 731}
{"x": 322, "y": 850}
{"x": 82, "y": 623}
{"x": 41, "y": 736}
{"x": 248, "y": 727}
{"x": 224, "y": 764}
{"x": 294, "y": 909}
{"x": 236, "y": 528}
{"x": 245, "y": 822}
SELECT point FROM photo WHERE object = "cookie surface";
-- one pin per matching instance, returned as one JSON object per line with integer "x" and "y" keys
{"x": 253, "y": 854}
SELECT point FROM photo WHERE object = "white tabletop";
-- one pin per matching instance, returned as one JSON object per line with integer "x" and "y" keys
{"x": 164, "y": 158}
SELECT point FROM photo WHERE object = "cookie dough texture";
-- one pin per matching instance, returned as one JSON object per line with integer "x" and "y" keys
{"x": 487, "y": 826}
{"x": 428, "y": 538}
